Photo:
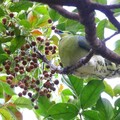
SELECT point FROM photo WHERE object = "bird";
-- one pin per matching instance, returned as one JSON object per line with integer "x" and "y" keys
{"x": 74, "y": 47}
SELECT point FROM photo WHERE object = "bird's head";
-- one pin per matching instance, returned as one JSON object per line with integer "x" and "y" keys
{"x": 63, "y": 33}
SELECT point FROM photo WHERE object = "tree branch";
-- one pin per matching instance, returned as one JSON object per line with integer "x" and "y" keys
{"x": 64, "y": 12}
{"x": 86, "y": 12}
{"x": 115, "y": 6}
{"x": 106, "y": 39}
{"x": 59, "y": 2}
{"x": 108, "y": 13}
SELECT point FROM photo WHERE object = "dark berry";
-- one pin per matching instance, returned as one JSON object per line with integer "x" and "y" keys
{"x": 50, "y": 47}
{"x": 24, "y": 92}
{"x": 48, "y": 95}
{"x": 33, "y": 43}
{"x": 31, "y": 67}
{"x": 53, "y": 27}
{"x": 46, "y": 52}
{"x": 30, "y": 94}
{"x": 22, "y": 85}
{"x": 37, "y": 82}
{"x": 56, "y": 82}
{"x": 47, "y": 43}
{"x": 23, "y": 47}
{"x": 46, "y": 48}
{"x": 1, "y": 69}
{"x": 34, "y": 54}
{"x": 53, "y": 51}
{"x": 37, "y": 88}
{"x": 28, "y": 69}
{"x": 27, "y": 45}
{"x": 16, "y": 69}
{"x": 35, "y": 65}
{"x": 46, "y": 75}
{"x": 24, "y": 62}
{"x": 28, "y": 58}
{"x": 41, "y": 93}
{"x": 32, "y": 99}
{"x": 38, "y": 38}
{"x": 7, "y": 67}
{"x": 23, "y": 53}
{"x": 34, "y": 59}
{"x": 21, "y": 71}
{"x": 47, "y": 66}
{"x": 4, "y": 21}
{"x": 12, "y": 85}
{"x": 49, "y": 21}
{"x": 20, "y": 94}
{"x": 11, "y": 15}
{"x": 35, "y": 107}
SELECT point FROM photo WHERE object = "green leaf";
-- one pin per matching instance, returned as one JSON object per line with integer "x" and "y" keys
{"x": 91, "y": 115}
{"x": 25, "y": 23}
{"x": 54, "y": 39}
{"x": 117, "y": 46}
{"x": 7, "y": 88}
{"x": 2, "y": 13}
{"x": 74, "y": 83}
{"x": 2, "y": 28}
{"x": 101, "y": 1}
{"x": 41, "y": 9}
{"x": 23, "y": 102}
{"x": 91, "y": 93}
{"x": 61, "y": 26}
{"x": 65, "y": 94}
{"x": 105, "y": 108}
{"x": 108, "y": 89}
{"x": 117, "y": 103}
{"x": 3, "y": 57}
{"x": 43, "y": 21}
{"x": 111, "y": 26}
{"x": 54, "y": 15}
{"x": 63, "y": 111}
{"x": 73, "y": 26}
{"x": 17, "y": 43}
{"x": 1, "y": 91}
{"x": 44, "y": 104}
{"x": 117, "y": 117}
{"x": 18, "y": 6}
{"x": 100, "y": 29}
{"x": 117, "y": 90}
{"x": 5, "y": 39}
{"x": 6, "y": 114}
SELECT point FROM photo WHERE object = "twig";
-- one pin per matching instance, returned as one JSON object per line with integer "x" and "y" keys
{"x": 106, "y": 39}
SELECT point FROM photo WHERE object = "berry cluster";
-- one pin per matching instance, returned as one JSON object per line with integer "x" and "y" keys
{"x": 24, "y": 69}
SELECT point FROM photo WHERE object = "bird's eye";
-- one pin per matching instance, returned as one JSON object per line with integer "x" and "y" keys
{"x": 60, "y": 31}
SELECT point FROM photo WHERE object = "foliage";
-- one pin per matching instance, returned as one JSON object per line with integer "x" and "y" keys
{"x": 26, "y": 28}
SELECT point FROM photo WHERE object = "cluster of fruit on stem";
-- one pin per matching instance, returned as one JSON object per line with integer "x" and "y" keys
{"x": 23, "y": 64}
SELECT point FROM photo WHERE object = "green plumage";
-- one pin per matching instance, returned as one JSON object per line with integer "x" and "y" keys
{"x": 73, "y": 47}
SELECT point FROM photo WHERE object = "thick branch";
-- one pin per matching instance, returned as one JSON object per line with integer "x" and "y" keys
{"x": 90, "y": 30}
{"x": 59, "y": 2}
{"x": 115, "y": 6}
{"x": 108, "y": 13}
{"x": 65, "y": 13}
